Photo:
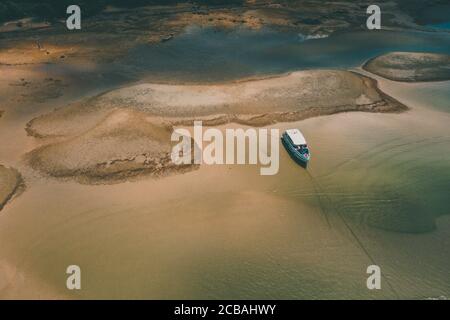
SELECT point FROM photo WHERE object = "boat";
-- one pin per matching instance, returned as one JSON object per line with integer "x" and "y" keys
{"x": 295, "y": 144}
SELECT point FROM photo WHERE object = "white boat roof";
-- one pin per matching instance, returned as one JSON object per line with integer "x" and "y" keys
{"x": 296, "y": 136}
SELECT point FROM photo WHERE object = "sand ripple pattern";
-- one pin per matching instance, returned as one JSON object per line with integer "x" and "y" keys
{"x": 126, "y": 132}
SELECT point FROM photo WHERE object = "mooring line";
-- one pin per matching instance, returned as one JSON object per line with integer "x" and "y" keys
{"x": 349, "y": 228}
{"x": 318, "y": 192}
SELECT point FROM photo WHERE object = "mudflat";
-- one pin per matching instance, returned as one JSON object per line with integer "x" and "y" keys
{"x": 296, "y": 96}
{"x": 126, "y": 132}
{"x": 125, "y": 144}
{"x": 411, "y": 66}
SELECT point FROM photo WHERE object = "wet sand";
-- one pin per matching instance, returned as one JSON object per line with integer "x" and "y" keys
{"x": 266, "y": 238}
{"x": 295, "y": 96}
{"x": 126, "y": 132}
{"x": 10, "y": 184}
{"x": 411, "y": 66}
{"x": 124, "y": 145}
{"x": 225, "y": 232}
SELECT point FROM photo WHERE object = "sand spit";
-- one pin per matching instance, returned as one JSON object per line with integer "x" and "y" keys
{"x": 10, "y": 184}
{"x": 125, "y": 144}
{"x": 291, "y": 97}
{"x": 411, "y": 66}
{"x": 126, "y": 132}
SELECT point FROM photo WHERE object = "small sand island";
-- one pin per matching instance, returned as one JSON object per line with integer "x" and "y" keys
{"x": 126, "y": 132}
{"x": 411, "y": 66}
{"x": 10, "y": 184}
{"x": 125, "y": 144}
{"x": 292, "y": 97}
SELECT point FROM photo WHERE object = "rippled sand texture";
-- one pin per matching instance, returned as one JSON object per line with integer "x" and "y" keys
{"x": 112, "y": 135}
{"x": 125, "y": 144}
{"x": 227, "y": 232}
{"x": 296, "y": 96}
{"x": 376, "y": 190}
{"x": 411, "y": 66}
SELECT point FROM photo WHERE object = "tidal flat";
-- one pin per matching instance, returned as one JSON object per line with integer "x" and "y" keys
{"x": 411, "y": 66}
{"x": 225, "y": 231}
{"x": 126, "y": 132}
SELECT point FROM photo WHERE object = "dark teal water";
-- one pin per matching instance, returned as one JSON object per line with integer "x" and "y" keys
{"x": 443, "y": 25}
{"x": 207, "y": 54}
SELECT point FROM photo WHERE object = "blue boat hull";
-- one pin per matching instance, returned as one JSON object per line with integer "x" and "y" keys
{"x": 295, "y": 155}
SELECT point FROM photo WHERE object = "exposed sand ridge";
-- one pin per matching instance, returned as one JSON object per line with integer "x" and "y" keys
{"x": 411, "y": 66}
{"x": 126, "y": 132}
